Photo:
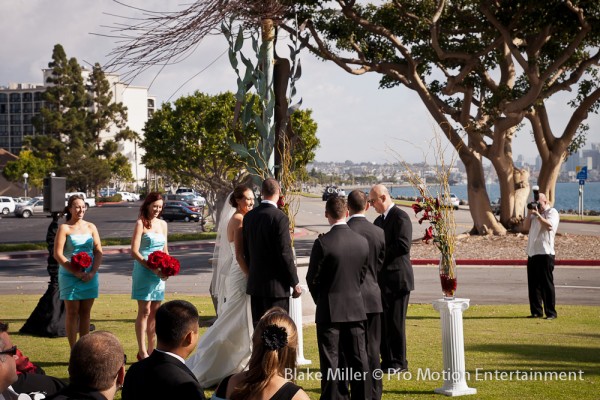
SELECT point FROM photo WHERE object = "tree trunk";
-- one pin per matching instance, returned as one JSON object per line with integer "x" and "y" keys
{"x": 547, "y": 179}
{"x": 484, "y": 221}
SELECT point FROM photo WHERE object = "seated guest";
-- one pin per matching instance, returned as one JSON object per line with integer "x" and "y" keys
{"x": 273, "y": 359}
{"x": 96, "y": 368}
{"x": 10, "y": 387}
{"x": 164, "y": 375}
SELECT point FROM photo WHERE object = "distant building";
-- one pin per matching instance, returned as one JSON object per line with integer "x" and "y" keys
{"x": 21, "y": 102}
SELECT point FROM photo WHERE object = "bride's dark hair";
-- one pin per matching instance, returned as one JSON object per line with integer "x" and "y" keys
{"x": 274, "y": 345}
{"x": 238, "y": 194}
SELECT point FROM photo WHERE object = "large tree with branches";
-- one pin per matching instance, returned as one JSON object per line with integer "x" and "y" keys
{"x": 484, "y": 69}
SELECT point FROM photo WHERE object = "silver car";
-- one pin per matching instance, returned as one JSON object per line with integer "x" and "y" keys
{"x": 35, "y": 206}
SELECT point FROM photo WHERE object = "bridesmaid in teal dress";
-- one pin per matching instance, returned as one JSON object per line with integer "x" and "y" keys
{"x": 148, "y": 286}
{"x": 78, "y": 288}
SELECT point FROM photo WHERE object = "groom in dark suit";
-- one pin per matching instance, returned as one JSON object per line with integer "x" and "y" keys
{"x": 268, "y": 253}
{"x": 164, "y": 374}
{"x": 396, "y": 279}
{"x": 337, "y": 267}
{"x": 357, "y": 206}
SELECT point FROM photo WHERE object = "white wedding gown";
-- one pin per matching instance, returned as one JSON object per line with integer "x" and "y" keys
{"x": 225, "y": 347}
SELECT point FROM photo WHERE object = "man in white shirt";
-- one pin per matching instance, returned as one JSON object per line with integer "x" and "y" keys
{"x": 542, "y": 223}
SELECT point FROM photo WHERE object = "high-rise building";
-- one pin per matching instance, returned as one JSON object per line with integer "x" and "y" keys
{"x": 20, "y": 102}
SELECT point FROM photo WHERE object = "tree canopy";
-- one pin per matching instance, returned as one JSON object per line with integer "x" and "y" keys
{"x": 75, "y": 113}
{"x": 483, "y": 69}
{"x": 189, "y": 141}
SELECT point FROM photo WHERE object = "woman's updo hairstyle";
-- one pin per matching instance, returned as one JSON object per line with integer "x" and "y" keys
{"x": 238, "y": 194}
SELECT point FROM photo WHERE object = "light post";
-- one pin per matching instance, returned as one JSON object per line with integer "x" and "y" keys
{"x": 25, "y": 176}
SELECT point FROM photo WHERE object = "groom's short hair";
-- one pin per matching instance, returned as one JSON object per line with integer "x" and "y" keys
{"x": 336, "y": 207}
{"x": 270, "y": 187}
{"x": 174, "y": 320}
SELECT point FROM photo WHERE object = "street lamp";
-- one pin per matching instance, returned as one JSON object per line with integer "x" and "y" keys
{"x": 25, "y": 176}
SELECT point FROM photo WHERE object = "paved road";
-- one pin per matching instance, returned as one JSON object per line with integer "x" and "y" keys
{"x": 482, "y": 284}
{"x": 113, "y": 221}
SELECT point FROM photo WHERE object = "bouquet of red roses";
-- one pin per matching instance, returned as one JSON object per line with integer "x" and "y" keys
{"x": 81, "y": 261}
{"x": 161, "y": 261}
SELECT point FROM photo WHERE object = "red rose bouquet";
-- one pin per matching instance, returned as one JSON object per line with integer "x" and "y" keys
{"x": 81, "y": 261}
{"x": 161, "y": 261}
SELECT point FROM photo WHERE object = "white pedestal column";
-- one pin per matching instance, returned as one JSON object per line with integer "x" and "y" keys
{"x": 296, "y": 314}
{"x": 453, "y": 347}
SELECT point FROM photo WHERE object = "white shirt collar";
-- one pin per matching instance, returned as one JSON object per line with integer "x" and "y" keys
{"x": 385, "y": 213}
{"x": 172, "y": 355}
{"x": 269, "y": 202}
{"x": 356, "y": 216}
{"x": 339, "y": 223}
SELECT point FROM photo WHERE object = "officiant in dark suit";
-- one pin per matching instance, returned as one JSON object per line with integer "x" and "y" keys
{"x": 164, "y": 374}
{"x": 396, "y": 279}
{"x": 357, "y": 206}
{"x": 269, "y": 255}
{"x": 337, "y": 267}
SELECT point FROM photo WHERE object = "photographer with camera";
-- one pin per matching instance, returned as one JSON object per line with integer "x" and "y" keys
{"x": 542, "y": 222}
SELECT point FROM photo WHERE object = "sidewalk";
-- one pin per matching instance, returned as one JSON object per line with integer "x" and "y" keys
{"x": 299, "y": 233}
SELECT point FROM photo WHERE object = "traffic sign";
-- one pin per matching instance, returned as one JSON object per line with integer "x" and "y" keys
{"x": 582, "y": 182}
{"x": 581, "y": 173}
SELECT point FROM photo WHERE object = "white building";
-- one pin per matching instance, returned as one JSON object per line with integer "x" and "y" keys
{"x": 20, "y": 102}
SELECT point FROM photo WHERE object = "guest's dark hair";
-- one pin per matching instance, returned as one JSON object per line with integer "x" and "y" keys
{"x": 238, "y": 194}
{"x": 145, "y": 212}
{"x": 70, "y": 202}
{"x": 270, "y": 187}
{"x": 357, "y": 201}
{"x": 3, "y": 328}
{"x": 274, "y": 345}
{"x": 95, "y": 360}
{"x": 174, "y": 319}
{"x": 336, "y": 207}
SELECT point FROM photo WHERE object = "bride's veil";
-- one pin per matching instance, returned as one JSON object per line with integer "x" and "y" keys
{"x": 222, "y": 257}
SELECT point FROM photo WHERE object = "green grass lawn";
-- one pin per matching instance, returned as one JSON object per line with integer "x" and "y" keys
{"x": 498, "y": 339}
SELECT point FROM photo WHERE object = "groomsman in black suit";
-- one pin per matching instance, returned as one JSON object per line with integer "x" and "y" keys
{"x": 338, "y": 265}
{"x": 268, "y": 252}
{"x": 357, "y": 206}
{"x": 164, "y": 374}
{"x": 396, "y": 279}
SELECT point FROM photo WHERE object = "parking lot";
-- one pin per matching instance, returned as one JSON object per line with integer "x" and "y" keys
{"x": 113, "y": 221}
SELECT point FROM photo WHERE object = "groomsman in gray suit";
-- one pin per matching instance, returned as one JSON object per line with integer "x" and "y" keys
{"x": 357, "y": 206}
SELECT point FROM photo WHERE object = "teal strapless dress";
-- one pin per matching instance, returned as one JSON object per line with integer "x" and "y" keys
{"x": 145, "y": 284}
{"x": 70, "y": 286}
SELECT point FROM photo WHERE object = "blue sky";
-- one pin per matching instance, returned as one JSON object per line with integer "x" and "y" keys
{"x": 357, "y": 121}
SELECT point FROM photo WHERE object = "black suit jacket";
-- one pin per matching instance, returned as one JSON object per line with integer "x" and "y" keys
{"x": 337, "y": 267}
{"x": 268, "y": 252}
{"x": 160, "y": 376}
{"x": 376, "y": 239}
{"x": 397, "y": 272}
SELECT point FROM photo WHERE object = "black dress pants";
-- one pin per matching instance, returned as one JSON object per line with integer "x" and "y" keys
{"x": 540, "y": 284}
{"x": 260, "y": 305}
{"x": 347, "y": 338}
{"x": 393, "y": 333}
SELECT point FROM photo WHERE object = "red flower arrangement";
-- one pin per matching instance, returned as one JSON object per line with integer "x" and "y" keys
{"x": 81, "y": 260}
{"x": 441, "y": 232}
{"x": 161, "y": 261}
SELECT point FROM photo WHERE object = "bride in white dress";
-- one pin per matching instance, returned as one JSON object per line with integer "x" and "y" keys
{"x": 225, "y": 347}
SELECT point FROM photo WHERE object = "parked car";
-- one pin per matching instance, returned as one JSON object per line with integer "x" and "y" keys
{"x": 331, "y": 191}
{"x": 21, "y": 200}
{"x": 181, "y": 211}
{"x": 185, "y": 190}
{"x": 34, "y": 206}
{"x": 7, "y": 205}
{"x": 89, "y": 201}
{"x": 126, "y": 196}
{"x": 454, "y": 201}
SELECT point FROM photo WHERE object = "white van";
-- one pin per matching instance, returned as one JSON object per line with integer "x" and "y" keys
{"x": 7, "y": 205}
{"x": 89, "y": 201}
